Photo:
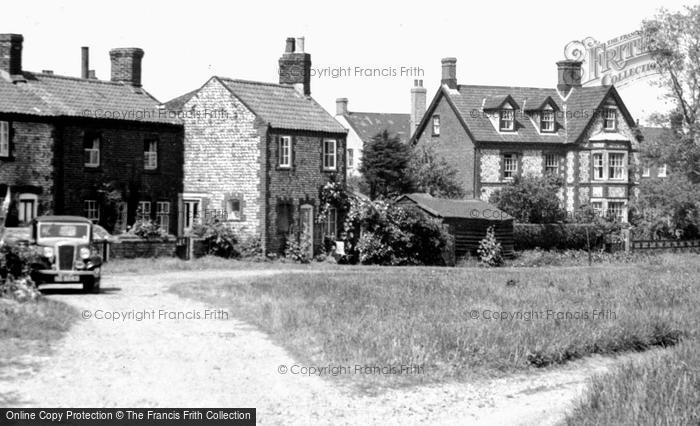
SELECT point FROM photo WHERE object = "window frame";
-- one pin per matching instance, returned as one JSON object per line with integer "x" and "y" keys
{"x": 92, "y": 206}
{"x": 5, "y": 139}
{"x": 435, "y": 120}
{"x": 162, "y": 214}
{"x": 608, "y": 209}
{"x": 557, "y": 167}
{"x": 239, "y": 212}
{"x": 646, "y": 171}
{"x": 502, "y": 120}
{"x": 327, "y": 155}
{"x": 607, "y": 110}
{"x": 662, "y": 171}
{"x": 622, "y": 167}
{"x": 281, "y": 155}
{"x": 547, "y": 110}
{"x": 149, "y": 154}
{"x": 33, "y": 201}
{"x": 351, "y": 157}
{"x": 94, "y": 140}
{"x": 144, "y": 213}
{"x": 514, "y": 173}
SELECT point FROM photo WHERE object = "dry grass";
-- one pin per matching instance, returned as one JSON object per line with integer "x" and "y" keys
{"x": 662, "y": 390}
{"x": 30, "y": 328}
{"x": 395, "y": 316}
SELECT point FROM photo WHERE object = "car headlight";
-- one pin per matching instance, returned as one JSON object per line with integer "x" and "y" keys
{"x": 84, "y": 252}
{"x": 48, "y": 252}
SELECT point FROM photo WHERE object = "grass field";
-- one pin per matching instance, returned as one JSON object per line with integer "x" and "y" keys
{"x": 424, "y": 316}
{"x": 662, "y": 390}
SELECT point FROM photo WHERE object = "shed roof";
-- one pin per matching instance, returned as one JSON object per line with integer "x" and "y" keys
{"x": 456, "y": 209}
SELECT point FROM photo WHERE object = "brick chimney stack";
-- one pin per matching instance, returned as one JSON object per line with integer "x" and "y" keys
{"x": 126, "y": 65}
{"x": 295, "y": 66}
{"x": 11, "y": 53}
{"x": 449, "y": 72}
{"x": 570, "y": 73}
{"x": 85, "y": 62}
{"x": 419, "y": 96}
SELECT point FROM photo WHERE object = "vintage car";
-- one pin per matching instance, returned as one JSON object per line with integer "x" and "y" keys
{"x": 64, "y": 252}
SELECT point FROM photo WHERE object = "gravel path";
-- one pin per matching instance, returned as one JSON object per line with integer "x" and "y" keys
{"x": 228, "y": 363}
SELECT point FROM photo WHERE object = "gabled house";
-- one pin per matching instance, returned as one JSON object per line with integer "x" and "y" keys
{"x": 363, "y": 126}
{"x": 492, "y": 134}
{"x": 87, "y": 147}
{"x": 257, "y": 154}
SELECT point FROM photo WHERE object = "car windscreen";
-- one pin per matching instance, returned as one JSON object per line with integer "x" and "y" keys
{"x": 64, "y": 230}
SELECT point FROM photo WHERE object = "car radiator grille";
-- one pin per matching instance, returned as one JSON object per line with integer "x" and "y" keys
{"x": 65, "y": 257}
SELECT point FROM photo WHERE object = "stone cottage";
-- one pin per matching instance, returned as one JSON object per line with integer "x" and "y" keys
{"x": 492, "y": 134}
{"x": 257, "y": 154}
{"x": 87, "y": 147}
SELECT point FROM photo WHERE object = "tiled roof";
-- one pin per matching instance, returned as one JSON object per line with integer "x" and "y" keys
{"x": 282, "y": 106}
{"x": 574, "y": 113}
{"x": 368, "y": 124}
{"x": 461, "y": 209}
{"x": 653, "y": 133}
{"x": 54, "y": 95}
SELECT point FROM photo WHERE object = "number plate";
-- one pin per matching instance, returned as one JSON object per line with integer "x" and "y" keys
{"x": 68, "y": 278}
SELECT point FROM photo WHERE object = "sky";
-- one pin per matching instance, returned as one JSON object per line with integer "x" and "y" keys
{"x": 495, "y": 42}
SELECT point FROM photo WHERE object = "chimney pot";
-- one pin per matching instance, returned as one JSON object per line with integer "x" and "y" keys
{"x": 299, "y": 46}
{"x": 85, "y": 62}
{"x": 341, "y": 106}
{"x": 569, "y": 73}
{"x": 92, "y": 75}
{"x": 11, "y": 53}
{"x": 449, "y": 72}
{"x": 126, "y": 65}
{"x": 50, "y": 72}
{"x": 290, "y": 45}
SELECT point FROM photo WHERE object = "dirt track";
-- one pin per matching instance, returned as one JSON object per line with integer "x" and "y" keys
{"x": 228, "y": 363}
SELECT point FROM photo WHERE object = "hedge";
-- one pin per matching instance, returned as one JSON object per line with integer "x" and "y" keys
{"x": 557, "y": 236}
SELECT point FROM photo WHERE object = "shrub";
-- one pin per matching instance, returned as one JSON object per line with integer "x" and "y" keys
{"x": 573, "y": 236}
{"x": 219, "y": 238}
{"x": 250, "y": 248}
{"x": 383, "y": 233}
{"x": 147, "y": 229}
{"x": 299, "y": 249}
{"x": 15, "y": 261}
{"x": 531, "y": 199}
{"x": 489, "y": 250}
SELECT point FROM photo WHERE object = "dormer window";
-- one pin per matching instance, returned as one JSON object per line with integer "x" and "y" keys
{"x": 610, "y": 119}
{"x": 547, "y": 121}
{"x": 506, "y": 122}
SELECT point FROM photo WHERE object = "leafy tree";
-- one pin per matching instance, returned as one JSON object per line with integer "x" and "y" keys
{"x": 667, "y": 208}
{"x": 531, "y": 199}
{"x": 674, "y": 42}
{"x": 433, "y": 174}
{"x": 385, "y": 166}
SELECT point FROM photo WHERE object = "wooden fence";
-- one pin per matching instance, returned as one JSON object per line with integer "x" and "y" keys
{"x": 676, "y": 245}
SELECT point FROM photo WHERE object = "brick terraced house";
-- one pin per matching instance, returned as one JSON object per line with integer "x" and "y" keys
{"x": 257, "y": 154}
{"x": 491, "y": 134}
{"x": 83, "y": 146}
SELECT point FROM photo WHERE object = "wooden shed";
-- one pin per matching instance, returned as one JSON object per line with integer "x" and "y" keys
{"x": 467, "y": 220}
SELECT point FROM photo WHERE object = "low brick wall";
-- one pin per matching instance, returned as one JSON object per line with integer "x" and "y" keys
{"x": 133, "y": 249}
